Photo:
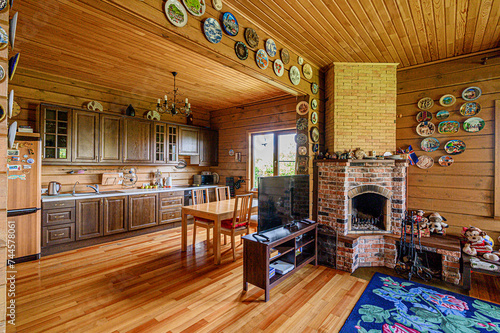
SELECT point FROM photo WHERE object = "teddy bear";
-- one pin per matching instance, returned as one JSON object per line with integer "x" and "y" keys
{"x": 478, "y": 244}
{"x": 436, "y": 224}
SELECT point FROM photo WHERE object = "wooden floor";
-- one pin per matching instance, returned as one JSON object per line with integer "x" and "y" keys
{"x": 146, "y": 284}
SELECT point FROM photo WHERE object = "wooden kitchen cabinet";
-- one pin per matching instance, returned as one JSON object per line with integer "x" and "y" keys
{"x": 172, "y": 144}
{"x": 115, "y": 215}
{"x": 85, "y": 133}
{"x": 138, "y": 143}
{"x": 89, "y": 218}
{"x": 160, "y": 143}
{"x": 55, "y": 130}
{"x": 170, "y": 206}
{"x": 110, "y": 138}
{"x": 188, "y": 141}
{"x": 142, "y": 211}
{"x": 208, "y": 147}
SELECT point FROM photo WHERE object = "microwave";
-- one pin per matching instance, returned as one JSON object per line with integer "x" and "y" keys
{"x": 203, "y": 180}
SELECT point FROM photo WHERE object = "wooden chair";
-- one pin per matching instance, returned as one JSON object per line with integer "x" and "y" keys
{"x": 240, "y": 223}
{"x": 200, "y": 197}
{"x": 223, "y": 193}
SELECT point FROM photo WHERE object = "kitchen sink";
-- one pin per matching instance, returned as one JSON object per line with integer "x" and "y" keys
{"x": 93, "y": 193}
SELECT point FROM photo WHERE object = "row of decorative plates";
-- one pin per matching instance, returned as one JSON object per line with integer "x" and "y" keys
{"x": 468, "y": 94}
{"x": 471, "y": 125}
{"x": 467, "y": 110}
{"x": 426, "y": 162}
{"x": 452, "y": 147}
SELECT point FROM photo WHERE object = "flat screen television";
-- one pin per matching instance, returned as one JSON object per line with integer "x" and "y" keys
{"x": 282, "y": 201}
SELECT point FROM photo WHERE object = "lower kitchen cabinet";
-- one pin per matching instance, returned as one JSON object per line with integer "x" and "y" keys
{"x": 170, "y": 206}
{"x": 115, "y": 215}
{"x": 58, "y": 234}
{"x": 142, "y": 211}
{"x": 89, "y": 218}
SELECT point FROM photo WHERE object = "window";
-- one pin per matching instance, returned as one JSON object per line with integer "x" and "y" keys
{"x": 273, "y": 154}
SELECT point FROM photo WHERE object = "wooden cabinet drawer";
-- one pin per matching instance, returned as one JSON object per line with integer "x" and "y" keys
{"x": 170, "y": 216}
{"x": 58, "y": 204}
{"x": 60, "y": 234}
{"x": 167, "y": 203}
{"x": 172, "y": 194}
{"x": 58, "y": 216}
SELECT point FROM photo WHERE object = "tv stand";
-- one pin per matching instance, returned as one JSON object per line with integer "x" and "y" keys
{"x": 256, "y": 254}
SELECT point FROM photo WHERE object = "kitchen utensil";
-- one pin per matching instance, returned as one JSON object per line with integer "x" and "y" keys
{"x": 54, "y": 188}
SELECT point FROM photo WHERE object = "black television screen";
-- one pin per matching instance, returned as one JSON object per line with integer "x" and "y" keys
{"x": 282, "y": 200}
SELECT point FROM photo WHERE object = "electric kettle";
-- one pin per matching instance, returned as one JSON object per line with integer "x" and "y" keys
{"x": 54, "y": 188}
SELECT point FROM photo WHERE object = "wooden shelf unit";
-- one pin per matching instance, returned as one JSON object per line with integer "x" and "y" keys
{"x": 256, "y": 254}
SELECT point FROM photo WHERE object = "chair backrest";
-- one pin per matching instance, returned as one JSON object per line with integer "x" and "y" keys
{"x": 200, "y": 196}
{"x": 223, "y": 193}
{"x": 242, "y": 209}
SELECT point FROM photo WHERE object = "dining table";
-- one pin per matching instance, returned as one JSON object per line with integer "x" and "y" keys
{"x": 215, "y": 211}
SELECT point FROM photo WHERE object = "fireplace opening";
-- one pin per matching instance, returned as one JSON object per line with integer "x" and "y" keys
{"x": 369, "y": 213}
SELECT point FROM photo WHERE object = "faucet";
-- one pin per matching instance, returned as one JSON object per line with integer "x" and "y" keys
{"x": 74, "y": 187}
{"x": 95, "y": 188}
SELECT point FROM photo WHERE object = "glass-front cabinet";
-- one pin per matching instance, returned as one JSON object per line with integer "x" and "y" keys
{"x": 160, "y": 143}
{"x": 56, "y": 133}
{"x": 172, "y": 157}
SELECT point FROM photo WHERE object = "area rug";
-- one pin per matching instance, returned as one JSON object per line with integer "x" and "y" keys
{"x": 394, "y": 305}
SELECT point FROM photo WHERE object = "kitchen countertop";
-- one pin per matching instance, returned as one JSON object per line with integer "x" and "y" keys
{"x": 103, "y": 194}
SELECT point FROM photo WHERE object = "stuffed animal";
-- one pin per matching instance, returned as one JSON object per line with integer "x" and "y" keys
{"x": 436, "y": 224}
{"x": 477, "y": 244}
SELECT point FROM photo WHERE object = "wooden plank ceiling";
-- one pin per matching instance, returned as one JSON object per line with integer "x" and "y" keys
{"x": 408, "y": 32}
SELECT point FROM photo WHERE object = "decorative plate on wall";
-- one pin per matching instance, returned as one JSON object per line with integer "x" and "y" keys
{"x": 454, "y": 147}
{"x": 425, "y": 103}
{"x": 301, "y": 124}
{"x": 271, "y": 47}
{"x": 3, "y": 4}
{"x": 16, "y": 109}
{"x": 3, "y": 114}
{"x": 217, "y": 4}
{"x": 301, "y": 139}
{"x": 294, "y": 75}
{"x": 302, "y": 108}
{"x": 308, "y": 72}
{"x": 315, "y": 148}
{"x": 314, "y": 134}
{"x": 212, "y": 30}
{"x": 314, "y": 104}
{"x": 445, "y": 161}
{"x": 302, "y": 150}
{"x": 261, "y": 59}
{"x": 285, "y": 56}
{"x": 251, "y": 37}
{"x": 230, "y": 24}
{"x": 314, "y": 117}
{"x": 241, "y": 50}
{"x": 2, "y": 73}
{"x": 471, "y": 93}
{"x": 195, "y": 7}
{"x": 442, "y": 115}
{"x": 447, "y": 100}
{"x": 4, "y": 38}
{"x": 470, "y": 109}
{"x": 474, "y": 124}
{"x": 314, "y": 88}
{"x": 300, "y": 60}
{"x": 231, "y": 152}
{"x": 425, "y": 162}
{"x": 13, "y": 61}
{"x": 11, "y": 102}
{"x": 279, "y": 68}
{"x": 448, "y": 127}
{"x": 12, "y": 29}
{"x": 424, "y": 116}
{"x": 426, "y": 128}
{"x": 429, "y": 144}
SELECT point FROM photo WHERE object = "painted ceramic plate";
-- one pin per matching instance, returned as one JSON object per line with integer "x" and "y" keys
{"x": 302, "y": 150}
{"x": 3, "y": 4}
{"x": 426, "y": 128}
{"x": 474, "y": 124}
{"x": 471, "y": 93}
{"x": 448, "y": 127}
{"x": 195, "y": 7}
{"x": 16, "y": 109}
{"x": 294, "y": 75}
{"x": 302, "y": 108}
{"x": 425, "y": 162}
{"x": 308, "y": 72}
{"x": 447, "y": 100}
{"x": 279, "y": 68}
{"x": 12, "y": 133}
{"x": 315, "y": 147}
{"x": 3, "y": 114}
{"x": 445, "y": 161}
{"x": 425, "y": 103}
{"x": 13, "y": 65}
{"x": 442, "y": 115}
{"x": 251, "y": 37}
{"x": 271, "y": 47}
{"x": 212, "y": 30}
{"x": 300, "y": 61}
{"x": 176, "y": 13}
{"x": 470, "y": 109}
{"x": 314, "y": 134}
{"x": 301, "y": 124}
{"x": 11, "y": 102}
{"x": 261, "y": 59}
{"x": 231, "y": 152}
{"x": 241, "y": 50}
{"x": 4, "y": 38}
{"x": 285, "y": 56}
{"x": 424, "y": 116}
{"x": 230, "y": 24}
{"x": 314, "y": 117}
{"x": 314, "y": 104}
{"x": 314, "y": 88}
{"x": 12, "y": 29}
{"x": 217, "y": 4}
{"x": 429, "y": 144}
{"x": 2, "y": 73}
{"x": 454, "y": 147}
{"x": 301, "y": 139}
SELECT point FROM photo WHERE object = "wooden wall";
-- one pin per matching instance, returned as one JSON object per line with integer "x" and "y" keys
{"x": 464, "y": 192}
{"x": 32, "y": 88}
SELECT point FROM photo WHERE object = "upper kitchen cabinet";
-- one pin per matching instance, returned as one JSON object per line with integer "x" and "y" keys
{"x": 208, "y": 147}
{"x": 55, "y": 127}
{"x": 85, "y": 136}
{"x": 188, "y": 141}
{"x": 138, "y": 141}
{"x": 172, "y": 144}
{"x": 160, "y": 143}
{"x": 111, "y": 138}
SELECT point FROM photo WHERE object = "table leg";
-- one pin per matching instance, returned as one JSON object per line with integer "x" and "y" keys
{"x": 217, "y": 240}
{"x": 184, "y": 235}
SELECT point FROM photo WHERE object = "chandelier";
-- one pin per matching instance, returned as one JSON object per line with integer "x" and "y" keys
{"x": 175, "y": 107}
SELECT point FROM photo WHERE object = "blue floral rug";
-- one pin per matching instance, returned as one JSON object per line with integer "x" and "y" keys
{"x": 394, "y": 305}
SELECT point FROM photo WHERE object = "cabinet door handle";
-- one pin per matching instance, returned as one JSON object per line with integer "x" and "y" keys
{"x": 58, "y": 217}
{"x": 60, "y": 234}
{"x": 59, "y": 204}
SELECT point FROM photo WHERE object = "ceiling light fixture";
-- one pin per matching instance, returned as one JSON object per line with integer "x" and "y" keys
{"x": 175, "y": 107}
